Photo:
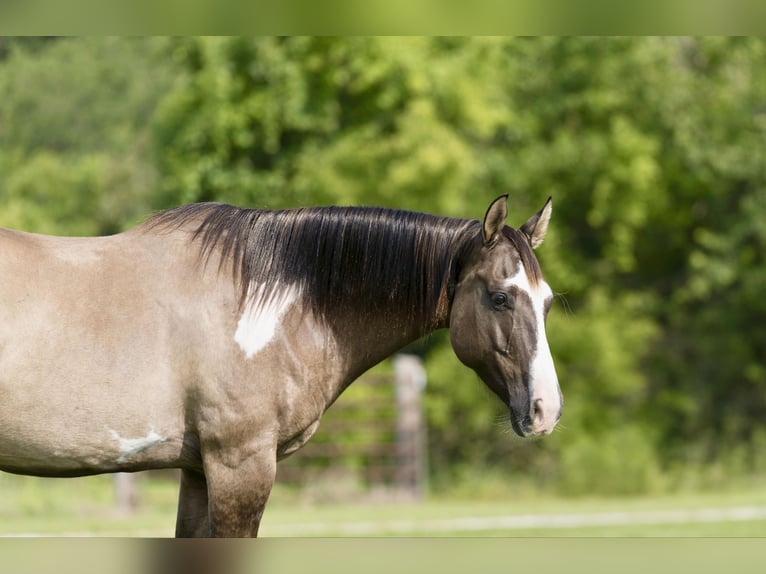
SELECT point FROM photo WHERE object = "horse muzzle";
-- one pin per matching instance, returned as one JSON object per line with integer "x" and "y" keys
{"x": 540, "y": 420}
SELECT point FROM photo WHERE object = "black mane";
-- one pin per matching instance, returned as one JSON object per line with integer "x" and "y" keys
{"x": 354, "y": 258}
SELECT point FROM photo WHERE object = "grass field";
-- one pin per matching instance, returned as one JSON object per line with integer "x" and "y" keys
{"x": 73, "y": 507}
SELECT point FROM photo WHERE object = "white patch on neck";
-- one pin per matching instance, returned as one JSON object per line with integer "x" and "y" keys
{"x": 262, "y": 316}
{"x": 543, "y": 379}
{"x": 130, "y": 447}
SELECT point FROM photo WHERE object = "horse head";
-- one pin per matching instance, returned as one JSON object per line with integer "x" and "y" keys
{"x": 500, "y": 302}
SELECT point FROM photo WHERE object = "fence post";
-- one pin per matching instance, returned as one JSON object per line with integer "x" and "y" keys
{"x": 411, "y": 469}
{"x": 126, "y": 494}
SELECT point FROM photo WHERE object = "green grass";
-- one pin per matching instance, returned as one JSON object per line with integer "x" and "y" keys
{"x": 418, "y": 519}
{"x": 55, "y": 507}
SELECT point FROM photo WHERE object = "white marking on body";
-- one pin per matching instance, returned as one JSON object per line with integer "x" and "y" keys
{"x": 262, "y": 315}
{"x": 543, "y": 379}
{"x": 130, "y": 447}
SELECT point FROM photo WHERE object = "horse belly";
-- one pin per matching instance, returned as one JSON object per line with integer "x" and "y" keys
{"x": 50, "y": 441}
{"x": 74, "y": 416}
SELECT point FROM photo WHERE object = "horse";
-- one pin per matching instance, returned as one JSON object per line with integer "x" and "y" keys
{"x": 212, "y": 338}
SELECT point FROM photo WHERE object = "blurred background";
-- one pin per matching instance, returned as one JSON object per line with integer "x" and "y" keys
{"x": 652, "y": 148}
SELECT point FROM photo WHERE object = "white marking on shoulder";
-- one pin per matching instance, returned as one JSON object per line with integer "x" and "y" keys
{"x": 263, "y": 314}
{"x": 130, "y": 447}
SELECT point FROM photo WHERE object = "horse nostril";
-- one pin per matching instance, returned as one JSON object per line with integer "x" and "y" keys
{"x": 537, "y": 411}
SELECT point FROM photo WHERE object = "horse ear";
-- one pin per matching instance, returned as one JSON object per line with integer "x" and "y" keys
{"x": 537, "y": 225}
{"x": 494, "y": 220}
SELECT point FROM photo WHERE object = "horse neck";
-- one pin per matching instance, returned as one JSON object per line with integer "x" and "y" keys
{"x": 367, "y": 339}
{"x": 369, "y": 334}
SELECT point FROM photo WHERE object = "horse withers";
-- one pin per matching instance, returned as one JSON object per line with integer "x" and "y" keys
{"x": 213, "y": 338}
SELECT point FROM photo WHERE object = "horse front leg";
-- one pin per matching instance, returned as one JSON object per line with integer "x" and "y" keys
{"x": 193, "y": 519}
{"x": 238, "y": 493}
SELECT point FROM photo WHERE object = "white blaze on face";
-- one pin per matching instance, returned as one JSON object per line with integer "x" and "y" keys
{"x": 261, "y": 318}
{"x": 544, "y": 383}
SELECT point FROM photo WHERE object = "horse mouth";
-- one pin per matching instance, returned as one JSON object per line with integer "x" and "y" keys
{"x": 522, "y": 426}
{"x": 521, "y": 422}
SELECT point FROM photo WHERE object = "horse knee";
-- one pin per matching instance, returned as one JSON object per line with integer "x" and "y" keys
{"x": 238, "y": 497}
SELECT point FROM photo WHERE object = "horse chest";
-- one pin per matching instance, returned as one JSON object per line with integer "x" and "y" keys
{"x": 295, "y": 442}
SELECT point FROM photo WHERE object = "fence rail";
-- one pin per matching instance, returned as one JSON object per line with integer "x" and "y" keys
{"x": 375, "y": 432}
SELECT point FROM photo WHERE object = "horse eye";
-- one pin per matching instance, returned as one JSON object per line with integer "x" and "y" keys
{"x": 499, "y": 299}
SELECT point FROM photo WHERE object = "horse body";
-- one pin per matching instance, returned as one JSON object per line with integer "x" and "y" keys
{"x": 92, "y": 338}
{"x": 135, "y": 351}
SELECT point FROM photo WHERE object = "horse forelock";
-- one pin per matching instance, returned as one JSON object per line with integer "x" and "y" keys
{"x": 526, "y": 255}
{"x": 341, "y": 259}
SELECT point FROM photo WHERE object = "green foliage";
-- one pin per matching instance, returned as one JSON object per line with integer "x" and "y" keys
{"x": 78, "y": 184}
{"x": 287, "y": 121}
{"x": 75, "y": 148}
{"x": 619, "y": 462}
{"x": 652, "y": 149}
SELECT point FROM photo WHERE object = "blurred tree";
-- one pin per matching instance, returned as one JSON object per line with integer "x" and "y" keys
{"x": 286, "y": 121}
{"x": 75, "y": 138}
{"x": 710, "y": 376}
